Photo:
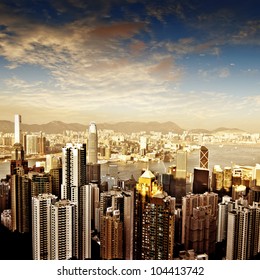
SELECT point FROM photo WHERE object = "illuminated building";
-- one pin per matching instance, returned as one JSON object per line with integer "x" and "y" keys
{"x": 217, "y": 179}
{"x": 112, "y": 241}
{"x": 227, "y": 179}
{"x": 238, "y": 191}
{"x": 153, "y": 220}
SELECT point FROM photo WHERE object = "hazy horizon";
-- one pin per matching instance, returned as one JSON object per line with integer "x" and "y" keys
{"x": 196, "y": 63}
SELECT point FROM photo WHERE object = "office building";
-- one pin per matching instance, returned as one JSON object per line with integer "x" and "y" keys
{"x": 52, "y": 162}
{"x": 181, "y": 174}
{"x": 17, "y": 129}
{"x": 93, "y": 173}
{"x": 41, "y": 144}
{"x": 143, "y": 145}
{"x": 200, "y": 181}
{"x": 92, "y": 144}
{"x": 21, "y": 201}
{"x": 168, "y": 182}
{"x": 204, "y": 157}
{"x": 217, "y": 179}
{"x": 227, "y": 179}
{"x": 32, "y": 147}
{"x": 153, "y": 220}
{"x": 41, "y": 225}
{"x": 56, "y": 180}
{"x": 238, "y": 191}
{"x": 17, "y": 159}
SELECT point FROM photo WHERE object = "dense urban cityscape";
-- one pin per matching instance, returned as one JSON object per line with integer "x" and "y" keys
{"x": 98, "y": 194}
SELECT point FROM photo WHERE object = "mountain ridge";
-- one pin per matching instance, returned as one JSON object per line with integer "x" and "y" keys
{"x": 57, "y": 127}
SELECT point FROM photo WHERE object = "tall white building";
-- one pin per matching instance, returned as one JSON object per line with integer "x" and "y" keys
{"x": 41, "y": 226}
{"x": 223, "y": 209}
{"x": 17, "y": 128}
{"x": 75, "y": 189}
{"x": 63, "y": 225}
{"x": 85, "y": 206}
{"x": 73, "y": 169}
{"x": 243, "y": 232}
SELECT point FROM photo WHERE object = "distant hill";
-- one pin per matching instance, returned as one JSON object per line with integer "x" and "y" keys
{"x": 219, "y": 130}
{"x": 124, "y": 127}
{"x": 228, "y": 130}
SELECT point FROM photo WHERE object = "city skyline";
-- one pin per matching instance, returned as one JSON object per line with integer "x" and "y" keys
{"x": 193, "y": 63}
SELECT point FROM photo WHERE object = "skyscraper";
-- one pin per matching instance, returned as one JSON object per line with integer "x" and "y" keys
{"x": 154, "y": 214}
{"x": 75, "y": 189}
{"x": 73, "y": 169}
{"x": 199, "y": 216}
{"x": 243, "y": 232}
{"x": 41, "y": 226}
{"x": 116, "y": 218}
{"x": 17, "y": 128}
{"x": 63, "y": 230}
{"x": 92, "y": 143}
{"x": 181, "y": 173}
{"x": 21, "y": 201}
{"x": 112, "y": 228}
{"x": 84, "y": 222}
{"x": 32, "y": 147}
{"x": 93, "y": 173}
{"x": 204, "y": 157}
{"x": 40, "y": 183}
{"x": 223, "y": 209}
{"x": 200, "y": 180}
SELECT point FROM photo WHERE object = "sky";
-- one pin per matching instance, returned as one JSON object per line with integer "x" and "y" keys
{"x": 193, "y": 62}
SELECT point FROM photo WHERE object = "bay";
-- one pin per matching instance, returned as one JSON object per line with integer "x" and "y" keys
{"x": 225, "y": 155}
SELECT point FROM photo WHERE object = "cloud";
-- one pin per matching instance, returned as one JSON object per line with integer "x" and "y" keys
{"x": 166, "y": 70}
{"x": 122, "y": 30}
